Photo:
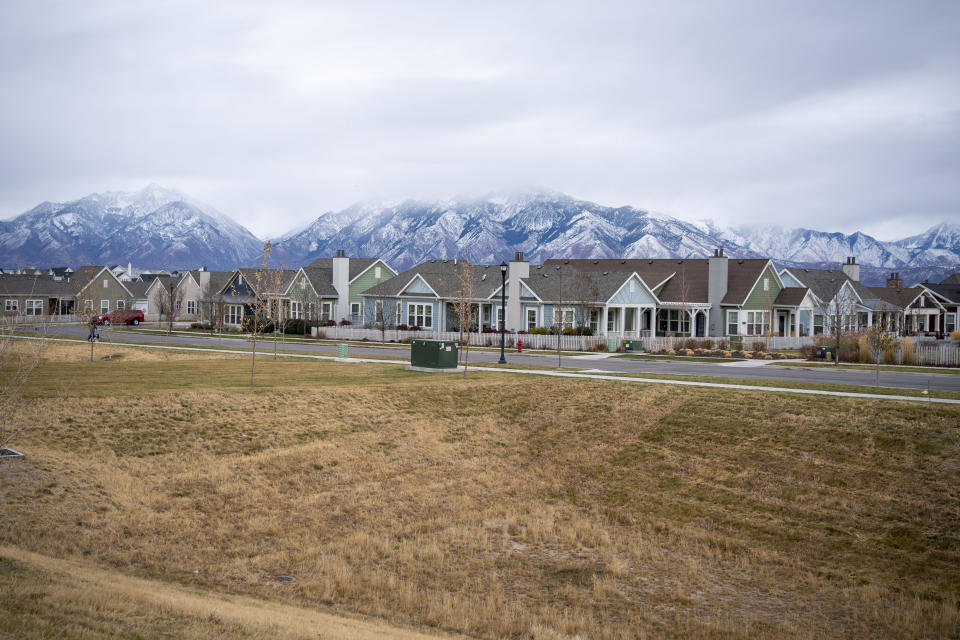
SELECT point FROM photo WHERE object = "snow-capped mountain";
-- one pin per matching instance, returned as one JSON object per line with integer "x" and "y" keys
{"x": 153, "y": 227}
{"x": 540, "y": 224}
{"x": 163, "y": 228}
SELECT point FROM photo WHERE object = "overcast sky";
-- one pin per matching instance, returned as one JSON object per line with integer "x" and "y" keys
{"x": 832, "y": 115}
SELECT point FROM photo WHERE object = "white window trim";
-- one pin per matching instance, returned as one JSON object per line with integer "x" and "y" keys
{"x": 32, "y": 306}
{"x": 420, "y": 314}
{"x": 12, "y": 304}
{"x": 104, "y": 306}
{"x": 533, "y": 324}
{"x": 121, "y": 304}
{"x": 733, "y": 320}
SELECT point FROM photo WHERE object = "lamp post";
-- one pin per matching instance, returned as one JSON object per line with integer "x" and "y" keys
{"x": 503, "y": 308}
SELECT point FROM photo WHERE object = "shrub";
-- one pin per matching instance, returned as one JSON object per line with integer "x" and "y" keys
{"x": 295, "y": 326}
{"x": 401, "y": 327}
{"x": 863, "y": 348}
{"x": 322, "y": 336}
{"x": 690, "y": 343}
{"x": 809, "y": 351}
{"x": 488, "y": 330}
{"x": 206, "y": 326}
{"x": 413, "y": 328}
{"x": 908, "y": 350}
{"x": 759, "y": 345}
{"x": 263, "y": 326}
{"x": 706, "y": 344}
{"x": 688, "y": 352}
{"x": 345, "y": 323}
{"x": 955, "y": 335}
{"x": 600, "y": 346}
{"x": 328, "y": 323}
{"x": 723, "y": 344}
{"x": 570, "y": 331}
{"x": 748, "y": 356}
{"x": 584, "y": 331}
{"x": 671, "y": 352}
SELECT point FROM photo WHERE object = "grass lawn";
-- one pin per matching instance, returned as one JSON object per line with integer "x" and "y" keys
{"x": 647, "y": 356}
{"x": 871, "y": 367}
{"x": 499, "y": 506}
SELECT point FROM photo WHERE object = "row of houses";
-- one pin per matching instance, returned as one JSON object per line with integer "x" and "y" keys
{"x": 716, "y": 296}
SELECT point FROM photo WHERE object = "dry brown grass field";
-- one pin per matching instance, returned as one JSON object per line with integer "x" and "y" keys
{"x": 500, "y": 506}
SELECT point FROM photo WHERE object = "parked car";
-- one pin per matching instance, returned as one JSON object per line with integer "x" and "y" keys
{"x": 120, "y": 316}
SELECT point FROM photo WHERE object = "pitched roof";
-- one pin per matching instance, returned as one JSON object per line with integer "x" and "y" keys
{"x": 443, "y": 277}
{"x": 825, "y": 283}
{"x": 688, "y": 278}
{"x": 742, "y": 274}
{"x": 900, "y": 298}
{"x": 791, "y": 296}
{"x": 560, "y": 281}
{"x": 138, "y": 288}
{"x": 218, "y": 279}
{"x": 83, "y": 275}
{"x": 948, "y": 291}
{"x": 266, "y": 279}
{"x": 357, "y": 265}
{"x": 953, "y": 278}
{"x": 25, "y": 285}
{"x": 321, "y": 279}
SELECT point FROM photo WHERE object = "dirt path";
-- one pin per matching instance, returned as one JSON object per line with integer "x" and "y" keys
{"x": 279, "y": 620}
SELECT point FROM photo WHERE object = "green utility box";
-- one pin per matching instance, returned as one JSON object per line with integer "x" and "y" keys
{"x": 611, "y": 344}
{"x": 632, "y": 345}
{"x": 342, "y": 350}
{"x": 434, "y": 354}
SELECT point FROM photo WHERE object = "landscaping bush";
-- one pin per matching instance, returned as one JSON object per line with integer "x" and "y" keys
{"x": 328, "y": 323}
{"x": 413, "y": 328}
{"x": 345, "y": 323}
{"x": 206, "y": 326}
{"x": 863, "y": 349}
{"x": 671, "y": 352}
{"x": 402, "y": 327}
{"x": 263, "y": 326}
{"x": 584, "y": 331}
{"x": 539, "y": 331}
{"x": 809, "y": 351}
{"x": 723, "y": 344}
{"x": 850, "y": 347}
{"x": 955, "y": 335}
{"x": 706, "y": 344}
{"x": 759, "y": 345}
{"x": 747, "y": 355}
{"x": 570, "y": 331}
{"x": 690, "y": 343}
{"x": 491, "y": 330}
{"x": 295, "y": 326}
{"x": 908, "y": 350}
{"x": 600, "y": 346}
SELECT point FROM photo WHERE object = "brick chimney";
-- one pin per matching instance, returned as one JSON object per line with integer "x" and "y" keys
{"x": 852, "y": 269}
{"x": 895, "y": 281}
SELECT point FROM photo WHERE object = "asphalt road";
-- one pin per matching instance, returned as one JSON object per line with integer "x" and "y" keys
{"x": 825, "y": 375}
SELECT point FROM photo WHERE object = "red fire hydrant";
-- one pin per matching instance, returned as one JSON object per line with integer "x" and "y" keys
{"x": 519, "y": 345}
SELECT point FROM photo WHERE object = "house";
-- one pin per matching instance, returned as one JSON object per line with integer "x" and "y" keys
{"x": 159, "y": 291}
{"x": 947, "y": 293}
{"x": 35, "y": 295}
{"x": 197, "y": 294}
{"x": 98, "y": 290}
{"x": 915, "y": 310}
{"x": 330, "y": 288}
{"x": 247, "y": 288}
{"x": 716, "y": 296}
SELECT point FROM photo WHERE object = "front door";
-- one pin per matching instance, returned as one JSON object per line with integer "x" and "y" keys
{"x": 781, "y": 325}
{"x": 701, "y": 324}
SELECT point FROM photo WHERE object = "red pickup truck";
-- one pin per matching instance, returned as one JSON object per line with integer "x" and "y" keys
{"x": 120, "y": 316}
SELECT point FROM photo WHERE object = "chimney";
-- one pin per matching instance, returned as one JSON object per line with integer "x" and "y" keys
{"x": 717, "y": 274}
{"x": 852, "y": 269}
{"x": 517, "y": 269}
{"x": 341, "y": 282}
{"x": 894, "y": 281}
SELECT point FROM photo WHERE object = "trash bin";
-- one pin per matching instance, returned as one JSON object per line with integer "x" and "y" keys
{"x": 611, "y": 344}
{"x": 434, "y": 354}
{"x": 826, "y": 353}
{"x": 342, "y": 350}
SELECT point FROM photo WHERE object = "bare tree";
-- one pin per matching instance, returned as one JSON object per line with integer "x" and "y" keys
{"x": 84, "y": 304}
{"x": 382, "y": 315}
{"x": 169, "y": 299}
{"x": 464, "y": 307}
{"x": 837, "y": 313}
{"x": 583, "y": 291}
{"x": 557, "y": 315}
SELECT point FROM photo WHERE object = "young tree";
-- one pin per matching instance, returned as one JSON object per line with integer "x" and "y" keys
{"x": 84, "y": 303}
{"x": 381, "y": 315}
{"x": 264, "y": 282}
{"x": 558, "y": 315}
{"x": 169, "y": 299}
{"x": 878, "y": 340}
{"x": 464, "y": 307}
{"x": 837, "y": 314}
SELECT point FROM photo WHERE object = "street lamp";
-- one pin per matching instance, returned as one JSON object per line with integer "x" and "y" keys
{"x": 503, "y": 308}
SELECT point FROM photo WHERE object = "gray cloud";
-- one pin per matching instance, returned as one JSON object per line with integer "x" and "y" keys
{"x": 834, "y": 117}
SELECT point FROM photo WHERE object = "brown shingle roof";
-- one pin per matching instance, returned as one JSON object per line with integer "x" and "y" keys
{"x": 791, "y": 296}
{"x": 901, "y": 298}
{"x": 357, "y": 265}
{"x": 742, "y": 274}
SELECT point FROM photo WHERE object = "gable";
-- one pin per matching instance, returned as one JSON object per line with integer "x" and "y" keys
{"x": 789, "y": 280}
{"x": 525, "y": 291}
{"x": 633, "y": 291}
{"x": 765, "y": 290}
{"x": 238, "y": 286}
{"x": 418, "y": 286}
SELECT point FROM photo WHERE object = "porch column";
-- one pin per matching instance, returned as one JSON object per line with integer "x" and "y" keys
{"x": 604, "y": 318}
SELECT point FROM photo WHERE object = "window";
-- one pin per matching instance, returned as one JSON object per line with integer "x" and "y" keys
{"x": 733, "y": 323}
{"x": 564, "y": 317}
{"x": 376, "y": 272}
{"x": 192, "y": 307}
{"x": 234, "y": 314}
{"x": 486, "y": 315}
{"x": 757, "y": 322}
{"x": 105, "y": 285}
{"x": 673, "y": 321}
{"x": 633, "y": 286}
{"x": 420, "y": 315}
{"x": 354, "y": 309}
{"x": 399, "y": 312}
{"x": 766, "y": 284}
{"x": 326, "y": 310}
{"x": 104, "y": 306}
{"x": 296, "y": 310}
{"x": 88, "y": 305}
{"x": 951, "y": 324}
{"x": 11, "y": 305}
{"x": 499, "y": 317}
{"x": 531, "y": 319}
{"x": 612, "y": 319}
{"x": 817, "y": 324}
{"x": 120, "y": 304}
{"x": 303, "y": 283}
{"x": 34, "y": 307}
{"x": 594, "y": 322}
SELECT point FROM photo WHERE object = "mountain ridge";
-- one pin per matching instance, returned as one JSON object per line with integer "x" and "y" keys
{"x": 160, "y": 227}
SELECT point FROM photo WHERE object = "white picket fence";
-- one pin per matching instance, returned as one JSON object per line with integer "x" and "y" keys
{"x": 9, "y": 320}
{"x": 530, "y": 341}
{"x": 943, "y": 354}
